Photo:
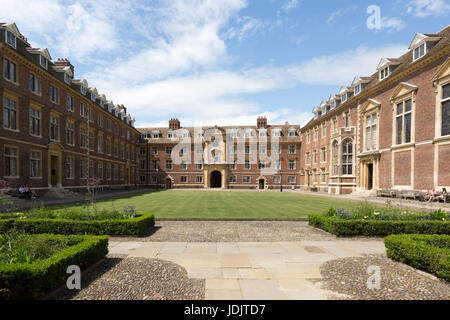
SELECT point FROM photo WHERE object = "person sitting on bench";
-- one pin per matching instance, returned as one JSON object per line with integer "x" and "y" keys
{"x": 430, "y": 195}
{"x": 25, "y": 192}
{"x": 443, "y": 195}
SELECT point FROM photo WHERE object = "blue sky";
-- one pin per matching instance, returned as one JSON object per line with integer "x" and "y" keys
{"x": 222, "y": 62}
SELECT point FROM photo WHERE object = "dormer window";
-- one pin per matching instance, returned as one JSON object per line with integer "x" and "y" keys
{"x": 11, "y": 39}
{"x": 93, "y": 97}
{"x": 67, "y": 79}
{"x": 420, "y": 51}
{"x": 83, "y": 90}
{"x": 277, "y": 133}
{"x": 102, "y": 103}
{"x": 344, "y": 97}
{"x": 333, "y": 104}
{"x": 292, "y": 132}
{"x": 384, "y": 73}
{"x": 43, "y": 62}
{"x": 357, "y": 89}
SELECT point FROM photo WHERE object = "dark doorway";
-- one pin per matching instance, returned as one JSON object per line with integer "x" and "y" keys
{"x": 370, "y": 176}
{"x": 54, "y": 171}
{"x": 262, "y": 183}
{"x": 216, "y": 179}
{"x": 168, "y": 183}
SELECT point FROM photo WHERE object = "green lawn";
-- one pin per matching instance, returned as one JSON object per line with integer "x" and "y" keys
{"x": 199, "y": 204}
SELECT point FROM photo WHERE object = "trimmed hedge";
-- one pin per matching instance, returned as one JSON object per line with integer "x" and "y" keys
{"x": 341, "y": 227}
{"x": 134, "y": 226}
{"x": 34, "y": 280}
{"x": 426, "y": 252}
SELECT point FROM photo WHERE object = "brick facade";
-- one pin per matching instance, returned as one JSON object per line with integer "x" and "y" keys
{"x": 54, "y": 155}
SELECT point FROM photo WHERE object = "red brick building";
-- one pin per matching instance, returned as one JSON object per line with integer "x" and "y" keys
{"x": 390, "y": 130}
{"x": 247, "y": 157}
{"x": 55, "y": 131}
{"x": 387, "y": 131}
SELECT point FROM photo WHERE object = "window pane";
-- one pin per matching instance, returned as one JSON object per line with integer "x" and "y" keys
{"x": 446, "y": 118}
{"x": 374, "y": 137}
{"x": 407, "y": 128}
{"x": 368, "y": 138}
{"x": 446, "y": 91}
{"x": 408, "y": 106}
{"x": 399, "y": 108}
{"x": 399, "y": 129}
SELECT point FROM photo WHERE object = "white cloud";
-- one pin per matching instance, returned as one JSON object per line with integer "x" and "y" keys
{"x": 77, "y": 30}
{"x": 425, "y": 8}
{"x": 248, "y": 27}
{"x": 220, "y": 96}
{"x": 341, "y": 68}
{"x": 396, "y": 24}
{"x": 290, "y": 5}
{"x": 339, "y": 13}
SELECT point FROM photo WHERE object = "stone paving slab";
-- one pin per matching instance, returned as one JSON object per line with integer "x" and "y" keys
{"x": 253, "y": 270}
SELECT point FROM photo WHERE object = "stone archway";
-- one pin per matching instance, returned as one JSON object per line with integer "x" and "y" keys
{"x": 216, "y": 179}
{"x": 262, "y": 183}
{"x": 169, "y": 182}
{"x": 55, "y": 151}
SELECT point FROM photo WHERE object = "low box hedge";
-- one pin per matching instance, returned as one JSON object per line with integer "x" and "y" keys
{"x": 341, "y": 227}
{"x": 426, "y": 252}
{"x": 34, "y": 280}
{"x": 133, "y": 226}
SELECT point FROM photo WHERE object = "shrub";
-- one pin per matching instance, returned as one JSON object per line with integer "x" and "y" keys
{"x": 23, "y": 248}
{"x": 131, "y": 226}
{"x": 34, "y": 280}
{"x": 426, "y": 252}
{"x": 349, "y": 227}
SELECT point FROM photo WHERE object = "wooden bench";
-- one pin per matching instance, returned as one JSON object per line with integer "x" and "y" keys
{"x": 387, "y": 193}
{"x": 411, "y": 194}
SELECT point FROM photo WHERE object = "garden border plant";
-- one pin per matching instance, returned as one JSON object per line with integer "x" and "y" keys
{"x": 426, "y": 252}
{"x": 365, "y": 220}
{"x": 132, "y": 226}
{"x": 34, "y": 280}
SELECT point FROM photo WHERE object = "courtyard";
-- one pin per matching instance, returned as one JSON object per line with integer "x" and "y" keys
{"x": 249, "y": 260}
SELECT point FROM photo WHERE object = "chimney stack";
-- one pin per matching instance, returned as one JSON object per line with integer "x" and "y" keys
{"x": 174, "y": 124}
{"x": 261, "y": 123}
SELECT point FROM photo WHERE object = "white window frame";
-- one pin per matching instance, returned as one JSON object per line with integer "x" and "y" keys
{"x": 385, "y": 73}
{"x": 415, "y": 57}
{"x": 7, "y": 33}
{"x": 43, "y": 62}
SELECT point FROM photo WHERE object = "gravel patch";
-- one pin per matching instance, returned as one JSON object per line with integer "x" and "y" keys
{"x": 120, "y": 278}
{"x": 233, "y": 231}
{"x": 398, "y": 281}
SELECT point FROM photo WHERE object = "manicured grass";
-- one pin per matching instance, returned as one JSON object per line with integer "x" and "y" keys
{"x": 199, "y": 204}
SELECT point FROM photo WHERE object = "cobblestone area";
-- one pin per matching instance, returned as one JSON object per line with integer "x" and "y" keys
{"x": 119, "y": 278}
{"x": 398, "y": 281}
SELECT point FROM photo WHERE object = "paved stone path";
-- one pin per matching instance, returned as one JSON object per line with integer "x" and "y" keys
{"x": 253, "y": 270}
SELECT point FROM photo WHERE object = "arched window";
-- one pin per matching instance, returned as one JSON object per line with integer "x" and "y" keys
{"x": 347, "y": 157}
{"x": 335, "y": 150}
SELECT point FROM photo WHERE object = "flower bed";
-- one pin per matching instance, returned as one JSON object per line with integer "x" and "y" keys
{"x": 62, "y": 221}
{"x": 369, "y": 220}
{"x": 27, "y": 272}
{"x": 426, "y": 252}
